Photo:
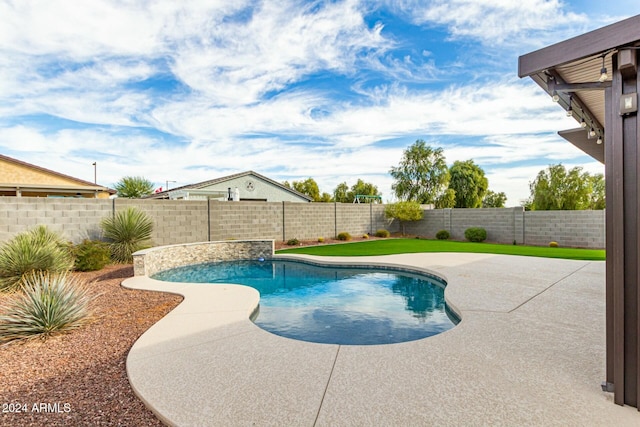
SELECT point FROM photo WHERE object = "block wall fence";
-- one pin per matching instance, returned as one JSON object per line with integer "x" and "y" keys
{"x": 181, "y": 221}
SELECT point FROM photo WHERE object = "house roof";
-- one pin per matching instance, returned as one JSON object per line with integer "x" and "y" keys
{"x": 572, "y": 68}
{"x": 82, "y": 182}
{"x": 215, "y": 181}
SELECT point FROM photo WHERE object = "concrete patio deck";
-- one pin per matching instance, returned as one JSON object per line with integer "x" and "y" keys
{"x": 530, "y": 350}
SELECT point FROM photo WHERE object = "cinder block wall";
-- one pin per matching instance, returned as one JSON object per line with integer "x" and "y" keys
{"x": 309, "y": 221}
{"x": 74, "y": 219}
{"x": 288, "y": 220}
{"x": 568, "y": 228}
{"x": 584, "y": 229}
{"x": 246, "y": 220}
{"x": 182, "y": 221}
{"x": 175, "y": 221}
{"x": 499, "y": 223}
{"x": 360, "y": 218}
{"x": 433, "y": 221}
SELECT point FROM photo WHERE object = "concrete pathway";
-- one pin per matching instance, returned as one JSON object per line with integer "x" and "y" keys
{"x": 530, "y": 351}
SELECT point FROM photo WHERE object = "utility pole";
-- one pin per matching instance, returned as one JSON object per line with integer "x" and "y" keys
{"x": 95, "y": 173}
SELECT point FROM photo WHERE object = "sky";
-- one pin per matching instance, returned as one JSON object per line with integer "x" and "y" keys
{"x": 183, "y": 92}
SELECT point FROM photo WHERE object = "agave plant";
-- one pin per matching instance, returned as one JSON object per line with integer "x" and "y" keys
{"x": 38, "y": 249}
{"x": 127, "y": 231}
{"x": 50, "y": 303}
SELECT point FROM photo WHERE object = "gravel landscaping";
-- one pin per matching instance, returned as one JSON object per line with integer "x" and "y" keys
{"x": 80, "y": 378}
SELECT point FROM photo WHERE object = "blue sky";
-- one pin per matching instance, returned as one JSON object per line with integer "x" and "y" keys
{"x": 333, "y": 90}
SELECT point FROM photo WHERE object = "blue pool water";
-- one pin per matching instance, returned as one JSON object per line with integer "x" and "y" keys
{"x": 333, "y": 304}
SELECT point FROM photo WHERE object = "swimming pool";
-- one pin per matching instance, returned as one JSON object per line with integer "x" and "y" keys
{"x": 336, "y": 305}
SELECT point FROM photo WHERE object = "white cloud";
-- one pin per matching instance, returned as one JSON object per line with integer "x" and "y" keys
{"x": 97, "y": 28}
{"x": 241, "y": 61}
{"x": 240, "y": 97}
{"x": 495, "y": 21}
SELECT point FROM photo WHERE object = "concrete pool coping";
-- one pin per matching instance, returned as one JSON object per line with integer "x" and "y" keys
{"x": 530, "y": 350}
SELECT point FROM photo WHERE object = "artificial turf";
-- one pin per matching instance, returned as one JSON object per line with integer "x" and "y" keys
{"x": 403, "y": 246}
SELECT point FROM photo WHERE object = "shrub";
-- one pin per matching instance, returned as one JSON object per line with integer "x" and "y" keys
{"x": 365, "y": 236}
{"x": 344, "y": 236}
{"x": 443, "y": 235}
{"x": 127, "y": 231}
{"x": 475, "y": 234}
{"x": 92, "y": 255}
{"x": 320, "y": 239}
{"x": 39, "y": 249}
{"x": 293, "y": 242}
{"x": 553, "y": 244}
{"x": 382, "y": 233}
{"x": 51, "y": 303}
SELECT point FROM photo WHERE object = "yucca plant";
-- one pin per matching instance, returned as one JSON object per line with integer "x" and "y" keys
{"x": 50, "y": 303}
{"x": 127, "y": 231}
{"x": 38, "y": 249}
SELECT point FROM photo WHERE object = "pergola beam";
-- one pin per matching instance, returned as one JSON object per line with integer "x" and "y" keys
{"x": 601, "y": 40}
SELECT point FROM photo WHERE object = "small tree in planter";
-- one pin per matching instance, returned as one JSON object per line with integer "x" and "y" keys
{"x": 403, "y": 212}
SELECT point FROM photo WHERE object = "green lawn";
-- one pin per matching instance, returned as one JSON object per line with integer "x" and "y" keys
{"x": 404, "y": 246}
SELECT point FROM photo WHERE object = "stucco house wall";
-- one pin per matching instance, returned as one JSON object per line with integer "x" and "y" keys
{"x": 250, "y": 185}
{"x": 18, "y": 178}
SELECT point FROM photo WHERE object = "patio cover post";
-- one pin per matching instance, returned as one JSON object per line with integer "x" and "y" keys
{"x": 565, "y": 66}
{"x": 622, "y": 170}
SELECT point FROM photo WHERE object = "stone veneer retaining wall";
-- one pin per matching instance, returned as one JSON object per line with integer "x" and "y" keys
{"x": 151, "y": 261}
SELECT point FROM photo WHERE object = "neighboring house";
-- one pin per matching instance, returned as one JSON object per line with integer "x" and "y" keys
{"x": 18, "y": 178}
{"x": 239, "y": 187}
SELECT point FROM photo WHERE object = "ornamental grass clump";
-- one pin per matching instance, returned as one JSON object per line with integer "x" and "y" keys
{"x": 344, "y": 236}
{"x": 49, "y": 304}
{"x": 127, "y": 231}
{"x": 36, "y": 250}
{"x": 382, "y": 233}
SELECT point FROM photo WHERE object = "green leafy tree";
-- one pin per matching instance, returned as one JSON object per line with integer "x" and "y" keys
{"x": 555, "y": 188}
{"x": 364, "y": 189}
{"x": 598, "y": 192}
{"x": 325, "y": 198}
{"x": 133, "y": 187}
{"x": 446, "y": 199}
{"x": 494, "y": 200}
{"x": 341, "y": 193}
{"x": 309, "y": 187}
{"x": 403, "y": 212}
{"x": 422, "y": 174}
{"x": 469, "y": 183}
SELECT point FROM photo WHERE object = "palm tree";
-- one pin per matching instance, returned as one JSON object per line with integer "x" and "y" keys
{"x": 134, "y": 187}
